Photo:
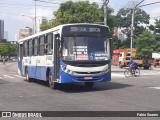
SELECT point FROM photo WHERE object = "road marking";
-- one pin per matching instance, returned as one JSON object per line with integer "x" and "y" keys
{"x": 155, "y": 87}
{"x": 117, "y": 75}
{"x": 7, "y": 76}
{"x": 19, "y": 76}
{"x": 1, "y": 78}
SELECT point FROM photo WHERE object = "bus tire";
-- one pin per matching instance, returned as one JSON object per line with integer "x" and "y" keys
{"x": 27, "y": 76}
{"x": 89, "y": 84}
{"x": 120, "y": 65}
{"x": 51, "y": 84}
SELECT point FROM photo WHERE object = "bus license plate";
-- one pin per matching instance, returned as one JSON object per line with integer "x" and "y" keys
{"x": 87, "y": 78}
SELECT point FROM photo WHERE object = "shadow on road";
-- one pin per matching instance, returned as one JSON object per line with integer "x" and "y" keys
{"x": 80, "y": 87}
{"x": 73, "y": 88}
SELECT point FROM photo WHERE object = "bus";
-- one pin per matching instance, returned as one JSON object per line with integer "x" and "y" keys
{"x": 79, "y": 52}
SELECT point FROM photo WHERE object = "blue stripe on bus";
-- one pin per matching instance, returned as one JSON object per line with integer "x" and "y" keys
{"x": 66, "y": 78}
{"x": 38, "y": 72}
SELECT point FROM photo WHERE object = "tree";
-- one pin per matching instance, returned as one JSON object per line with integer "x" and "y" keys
{"x": 8, "y": 49}
{"x": 145, "y": 43}
{"x": 124, "y": 17}
{"x": 156, "y": 31}
{"x": 79, "y": 12}
{"x": 116, "y": 42}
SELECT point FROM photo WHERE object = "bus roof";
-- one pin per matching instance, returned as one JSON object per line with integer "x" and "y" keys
{"x": 56, "y": 29}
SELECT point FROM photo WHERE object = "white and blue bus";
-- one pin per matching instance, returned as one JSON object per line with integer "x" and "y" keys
{"x": 79, "y": 52}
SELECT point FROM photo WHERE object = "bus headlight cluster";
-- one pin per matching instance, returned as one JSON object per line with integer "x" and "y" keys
{"x": 104, "y": 71}
{"x": 66, "y": 70}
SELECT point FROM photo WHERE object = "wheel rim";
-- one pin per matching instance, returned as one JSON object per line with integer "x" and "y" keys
{"x": 50, "y": 79}
{"x": 137, "y": 72}
{"x": 127, "y": 73}
{"x": 120, "y": 65}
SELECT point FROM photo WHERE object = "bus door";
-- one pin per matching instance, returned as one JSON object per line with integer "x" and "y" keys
{"x": 20, "y": 62}
{"x": 56, "y": 57}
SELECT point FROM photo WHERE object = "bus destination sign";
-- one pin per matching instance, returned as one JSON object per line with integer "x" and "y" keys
{"x": 85, "y": 29}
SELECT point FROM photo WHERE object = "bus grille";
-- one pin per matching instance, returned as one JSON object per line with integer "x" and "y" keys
{"x": 88, "y": 72}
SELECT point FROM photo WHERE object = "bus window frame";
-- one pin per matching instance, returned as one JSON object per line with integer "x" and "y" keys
{"x": 30, "y": 47}
{"x": 49, "y": 44}
{"x": 42, "y": 45}
{"x": 35, "y": 46}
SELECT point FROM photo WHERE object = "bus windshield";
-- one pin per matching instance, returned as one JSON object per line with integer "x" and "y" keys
{"x": 84, "y": 48}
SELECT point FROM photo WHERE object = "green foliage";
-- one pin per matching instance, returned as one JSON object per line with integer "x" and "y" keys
{"x": 116, "y": 42}
{"x": 145, "y": 43}
{"x": 125, "y": 44}
{"x": 155, "y": 28}
{"x": 124, "y": 17}
{"x": 45, "y": 26}
{"x": 7, "y": 49}
{"x": 80, "y": 12}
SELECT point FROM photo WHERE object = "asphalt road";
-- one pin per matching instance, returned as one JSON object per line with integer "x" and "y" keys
{"x": 121, "y": 94}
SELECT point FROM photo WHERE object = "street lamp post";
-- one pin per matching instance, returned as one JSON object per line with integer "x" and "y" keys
{"x": 35, "y": 17}
{"x": 32, "y": 18}
{"x": 132, "y": 24}
{"x": 105, "y": 11}
{"x": 35, "y": 12}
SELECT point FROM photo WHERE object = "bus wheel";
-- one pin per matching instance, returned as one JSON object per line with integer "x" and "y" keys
{"x": 27, "y": 76}
{"x": 51, "y": 84}
{"x": 89, "y": 84}
{"x": 120, "y": 65}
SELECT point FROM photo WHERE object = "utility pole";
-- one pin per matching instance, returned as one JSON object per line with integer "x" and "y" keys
{"x": 132, "y": 25}
{"x": 35, "y": 18}
{"x": 105, "y": 3}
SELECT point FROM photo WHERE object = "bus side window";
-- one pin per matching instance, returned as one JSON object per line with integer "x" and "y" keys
{"x": 30, "y": 47}
{"x": 38, "y": 46}
{"x": 49, "y": 44}
{"x": 25, "y": 49}
{"x": 41, "y": 45}
{"x": 35, "y": 46}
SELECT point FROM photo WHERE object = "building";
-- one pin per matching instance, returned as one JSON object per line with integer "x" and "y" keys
{"x": 24, "y": 32}
{"x": 117, "y": 32}
{"x": 40, "y": 21}
{"x": 1, "y": 29}
{"x": 6, "y": 35}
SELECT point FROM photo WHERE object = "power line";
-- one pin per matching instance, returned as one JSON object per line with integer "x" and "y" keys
{"x": 149, "y": 4}
{"x": 9, "y": 13}
{"x": 25, "y": 4}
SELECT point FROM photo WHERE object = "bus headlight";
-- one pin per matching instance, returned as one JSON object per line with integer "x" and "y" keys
{"x": 63, "y": 67}
{"x": 105, "y": 71}
{"x": 66, "y": 70}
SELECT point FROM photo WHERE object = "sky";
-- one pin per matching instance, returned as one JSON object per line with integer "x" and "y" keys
{"x": 13, "y": 11}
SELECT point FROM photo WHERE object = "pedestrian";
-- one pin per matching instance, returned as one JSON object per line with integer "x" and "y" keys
{"x": 4, "y": 61}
